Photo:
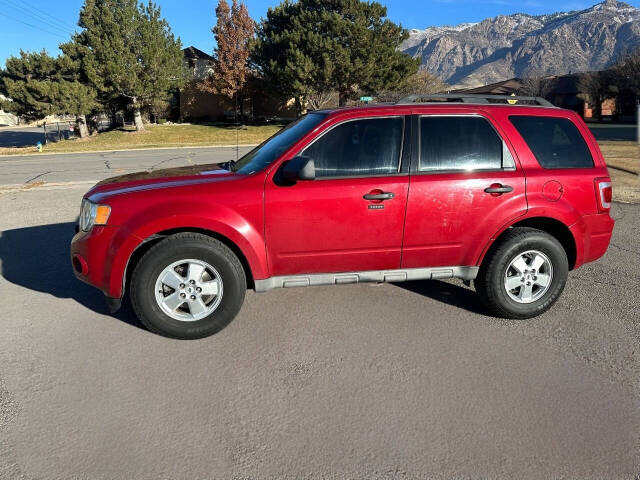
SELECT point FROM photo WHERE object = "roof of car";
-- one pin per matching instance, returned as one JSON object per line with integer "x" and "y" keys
{"x": 438, "y": 105}
{"x": 453, "y": 100}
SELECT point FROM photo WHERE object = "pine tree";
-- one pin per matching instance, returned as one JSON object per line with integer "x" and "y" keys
{"x": 315, "y": 46}
{"x": 40, "y": 85}
{"x": 28, "y": 81}
{"x": 233, "y": 31}
{"x": 77, "y": 99}
{"x": 126, "y": 50}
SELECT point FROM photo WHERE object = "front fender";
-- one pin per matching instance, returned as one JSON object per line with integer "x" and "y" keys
{"x": 172, "y": 215}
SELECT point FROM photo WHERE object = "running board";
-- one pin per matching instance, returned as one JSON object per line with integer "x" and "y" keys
{"x": 376, "y": 276}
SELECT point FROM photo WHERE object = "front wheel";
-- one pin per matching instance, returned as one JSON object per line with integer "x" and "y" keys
{"x": 188, "y": 286}
{"x": 524, "y": 275}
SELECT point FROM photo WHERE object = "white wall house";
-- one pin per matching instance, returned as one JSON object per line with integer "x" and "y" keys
{"x": 7, "y": 118}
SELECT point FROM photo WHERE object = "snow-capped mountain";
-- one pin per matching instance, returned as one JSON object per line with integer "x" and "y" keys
{"x": 503, "y": 47}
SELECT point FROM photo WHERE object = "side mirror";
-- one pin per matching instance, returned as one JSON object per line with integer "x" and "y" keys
{"x": 299, "y": 168}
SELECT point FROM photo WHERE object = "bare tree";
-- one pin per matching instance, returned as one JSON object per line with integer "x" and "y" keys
{"x": 320, "y": 100}
{"x": 595, "y": 86}
{"x": 233, "y": 30}
{"x": 421, "y": 82}
{"x": 537, "y": 85}
{"x": 627, "y": 72}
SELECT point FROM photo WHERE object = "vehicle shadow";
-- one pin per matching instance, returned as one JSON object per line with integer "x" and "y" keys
{"x": 38, "y": 258}
{"x": 449, "y": 293}
{"x": 13, "y": 138}
{"x": 29, "y": 137}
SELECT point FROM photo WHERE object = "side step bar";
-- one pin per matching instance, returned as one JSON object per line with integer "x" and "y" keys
{"x": 376, "y": 276}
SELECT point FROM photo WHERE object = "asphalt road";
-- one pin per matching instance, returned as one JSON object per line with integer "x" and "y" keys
{"x": 96, "y": 166}
{"x": 91, "y": 167}
{"x": 360, "y": 381}
{"x": 614, "y": 131}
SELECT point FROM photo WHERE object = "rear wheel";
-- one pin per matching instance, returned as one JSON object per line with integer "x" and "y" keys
{"x": 188, "y": 286}
{"x": 524, "y": 275}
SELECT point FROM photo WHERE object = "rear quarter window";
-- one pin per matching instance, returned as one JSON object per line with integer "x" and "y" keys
{"x": 555, "y": 142}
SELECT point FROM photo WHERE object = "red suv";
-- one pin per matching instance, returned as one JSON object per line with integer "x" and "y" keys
{"x": 510, "y": 196}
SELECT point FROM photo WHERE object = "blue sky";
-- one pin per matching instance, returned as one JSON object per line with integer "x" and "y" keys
{"x": 38, "y": 24}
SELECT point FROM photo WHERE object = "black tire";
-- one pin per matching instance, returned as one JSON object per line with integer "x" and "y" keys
{"x": 490, "y": 282}
{"x": 175, "y": 248}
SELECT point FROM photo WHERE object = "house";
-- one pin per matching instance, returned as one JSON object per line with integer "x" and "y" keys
{"x": 7, "y": 119}
{"x": 506, "y": 87}
{"x": 199, "y": 64}
{"x": 565, "y": 91}
{"x": 202, "y": 106}
{"x": 196, "y": 104}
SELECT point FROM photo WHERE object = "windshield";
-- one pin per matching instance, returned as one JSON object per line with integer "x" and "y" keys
{"x": 268, "y": 151}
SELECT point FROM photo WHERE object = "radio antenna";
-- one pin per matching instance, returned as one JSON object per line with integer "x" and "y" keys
{"x": 237, "y": 129}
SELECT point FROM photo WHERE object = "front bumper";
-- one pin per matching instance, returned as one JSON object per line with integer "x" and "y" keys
{"x": 90, "y": 256}
{"x": 99, "y": 257}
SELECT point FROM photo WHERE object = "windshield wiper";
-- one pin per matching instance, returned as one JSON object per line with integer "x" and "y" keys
{"x": 228, "y": 165}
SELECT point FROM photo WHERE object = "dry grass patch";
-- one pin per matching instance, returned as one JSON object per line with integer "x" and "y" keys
{"x": 623, "y": 159}
{"x": 624, "y": 155}
{"x": 158, "y": 136}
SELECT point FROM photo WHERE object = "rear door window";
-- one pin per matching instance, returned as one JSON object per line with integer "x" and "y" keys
{"x": 461, "y": 143}
{"x": 555, "y": 142}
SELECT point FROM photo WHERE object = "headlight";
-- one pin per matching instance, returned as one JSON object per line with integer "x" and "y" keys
{"x": 93, "y": 214}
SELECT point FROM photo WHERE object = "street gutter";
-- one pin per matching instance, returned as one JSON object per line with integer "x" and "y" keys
{"x": 35, "y": 154}
{"x": 21, "y": 187}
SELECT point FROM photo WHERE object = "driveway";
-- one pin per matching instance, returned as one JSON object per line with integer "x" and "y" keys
{"x": 410, "y": 380}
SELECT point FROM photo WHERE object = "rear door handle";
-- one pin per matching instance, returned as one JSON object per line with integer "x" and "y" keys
{"x": 379, "y": 196}
{"x": 499, "y": 189}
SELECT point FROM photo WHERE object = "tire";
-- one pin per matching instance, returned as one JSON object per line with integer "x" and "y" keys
{"x": 501, "y": 269}
{"x": 154, "y": 290}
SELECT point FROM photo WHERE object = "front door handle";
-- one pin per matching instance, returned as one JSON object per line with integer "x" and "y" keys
{"x": 498, "y": 189}
{"x": 379, "y": 196}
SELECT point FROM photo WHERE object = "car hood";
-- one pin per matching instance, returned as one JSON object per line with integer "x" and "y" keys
{"x": 154, "y": 179}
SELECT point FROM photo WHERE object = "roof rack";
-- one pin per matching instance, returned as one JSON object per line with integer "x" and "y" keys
{"x": 473, "y": 98}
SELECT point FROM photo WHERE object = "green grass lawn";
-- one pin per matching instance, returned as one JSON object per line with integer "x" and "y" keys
{"x": 158, "y": 136}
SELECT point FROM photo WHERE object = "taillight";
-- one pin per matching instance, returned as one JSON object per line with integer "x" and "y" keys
{"x": 604, "y": 193}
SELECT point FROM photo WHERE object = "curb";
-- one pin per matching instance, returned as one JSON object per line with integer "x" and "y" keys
{"x": 36, "y": 154}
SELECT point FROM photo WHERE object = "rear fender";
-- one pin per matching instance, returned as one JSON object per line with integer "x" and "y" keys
{"x": 540, "y": 207}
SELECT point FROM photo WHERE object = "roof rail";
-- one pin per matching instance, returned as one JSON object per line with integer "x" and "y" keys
{"x": 473, "y": 98}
